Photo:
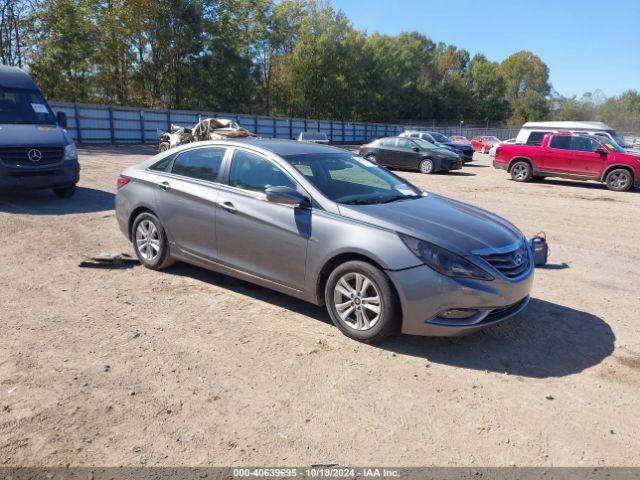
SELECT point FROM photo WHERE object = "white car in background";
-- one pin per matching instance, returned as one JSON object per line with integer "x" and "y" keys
{"x": 492, "y": 151}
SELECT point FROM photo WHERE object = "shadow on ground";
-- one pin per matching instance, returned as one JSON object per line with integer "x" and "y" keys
{"x": 545, "y": 340}
{"x": 44, "y": 202}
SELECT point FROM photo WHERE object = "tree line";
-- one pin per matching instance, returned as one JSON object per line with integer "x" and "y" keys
{"x": 297, "y": 58}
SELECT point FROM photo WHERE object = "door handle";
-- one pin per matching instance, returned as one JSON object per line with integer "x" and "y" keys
{"x": 228, "y": 206}
{"x": 164, "y": 186}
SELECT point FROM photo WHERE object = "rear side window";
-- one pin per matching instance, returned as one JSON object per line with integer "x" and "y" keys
{"x": 253, "y": 172}
{"x": 200, "y": 163}
{"x": 535, "y": 138}
{"x": 162, "y": 165}
{"x": 561, "y": 142}
{"x": 388, "y": 142}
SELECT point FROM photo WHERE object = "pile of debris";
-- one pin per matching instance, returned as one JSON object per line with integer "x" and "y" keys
{"x": 206, "y": 129}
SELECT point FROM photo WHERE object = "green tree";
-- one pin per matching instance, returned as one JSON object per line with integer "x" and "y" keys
{"x": 487, "y": 89}
{"x": 527, "y": 86}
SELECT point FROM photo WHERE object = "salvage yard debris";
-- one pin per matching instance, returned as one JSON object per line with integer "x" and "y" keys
{"x": 206, "y": 129}
{"x": 109, "y": 260}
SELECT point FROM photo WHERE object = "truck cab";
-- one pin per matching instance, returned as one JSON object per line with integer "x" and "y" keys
{"x": 36, "y": 152}
{"x": 572, "y": 156}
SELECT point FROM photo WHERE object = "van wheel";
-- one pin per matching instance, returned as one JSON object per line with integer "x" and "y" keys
{"x": 66, "y": 192}
{"x": 426, "y": 166}
{"x": 521, "y": 172}
{"x": 362, "y": 302}
{"x": 150, "y": 242}
{"x": 619, "y": 180}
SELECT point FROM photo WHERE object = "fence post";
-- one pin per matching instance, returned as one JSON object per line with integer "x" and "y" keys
{"x": 343, "y": 139}
{"x": 305, "y": 124}
{"x": 255, "y": 124}
{"x": 386, "y": 130}
{"x": 354, "y": 132}
{"x": 111, "y": 132}
{"x": 290, "y": 129}
{"x": 365, "y": 133}
{"x": 76, "y": 112}
{"x": 275, "y": 130}
{"x": 169, "y": 120}
{"x": 142, "y": 126}
{"x": 331, "y": 131}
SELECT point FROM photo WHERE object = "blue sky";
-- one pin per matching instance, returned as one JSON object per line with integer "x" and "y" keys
{"x": 587, "y": 44}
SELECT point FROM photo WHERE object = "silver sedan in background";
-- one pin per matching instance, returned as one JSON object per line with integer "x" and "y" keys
{"x": 326, "y": 226}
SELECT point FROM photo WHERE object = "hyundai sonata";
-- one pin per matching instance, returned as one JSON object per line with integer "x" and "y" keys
{"x": 329, "y": 227}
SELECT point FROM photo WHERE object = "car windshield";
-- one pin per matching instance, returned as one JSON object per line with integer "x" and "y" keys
{"x": 613, "y": 146}
{"x": 491, "y": 139}
{"x": 423, "y": 143}
{"x": 352, "y": 180}
{"x": 313, "y": 136}
{"x": 438, "y": 137}
{"x": 619, "y": 139}
{"x": 19, "y": 106}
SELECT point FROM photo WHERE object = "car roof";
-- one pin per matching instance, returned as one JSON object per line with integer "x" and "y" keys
{"x": 280, "y": 147}
{"x": 568, "y": 125}
{"x": 13, "y": 77}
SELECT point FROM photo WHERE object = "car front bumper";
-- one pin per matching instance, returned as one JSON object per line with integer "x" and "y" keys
{"x": 59, "y": 176}
{"x": 425, "y": 295}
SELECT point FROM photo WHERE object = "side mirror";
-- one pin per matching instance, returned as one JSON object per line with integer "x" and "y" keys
{"x": 287, "y": 196}
{"x": 62, "y": 119}
{"x": 600, "y": 151}
{"x": 415, "y": 149}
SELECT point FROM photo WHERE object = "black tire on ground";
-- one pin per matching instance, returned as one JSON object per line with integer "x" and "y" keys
{"x": 521, "y": 171}
{"x": 619, "y": 180}
{"x": 388, "y": 323}
{"x": 162, "y": 259}
{"x": 427, "y": 166}
{"x": 65, "y": 192}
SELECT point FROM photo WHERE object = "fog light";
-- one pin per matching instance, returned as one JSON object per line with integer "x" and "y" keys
{"x": 458, "y": 313}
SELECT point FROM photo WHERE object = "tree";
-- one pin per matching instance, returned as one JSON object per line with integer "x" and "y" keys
{"x": 527, "y": 86}
{"x": 487, "y": 88}
{"x": 13, "y": 20}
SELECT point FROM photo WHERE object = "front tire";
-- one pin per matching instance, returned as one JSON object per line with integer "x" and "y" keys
{"x": 65, "y": 192}
{"x": 521, "y": 171}
{"x": 361, "y": 302}
{"x": 619, "y": 180}
{"x": 150, "y": 242}
{"x": 427, "y": 166}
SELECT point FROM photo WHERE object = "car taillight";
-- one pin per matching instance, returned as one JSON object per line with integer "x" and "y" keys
{"x": 360, "y": 148}
{"x": 122, "y": 181}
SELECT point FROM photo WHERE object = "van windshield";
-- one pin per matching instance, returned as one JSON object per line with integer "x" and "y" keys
{"x": 21, "y": 107}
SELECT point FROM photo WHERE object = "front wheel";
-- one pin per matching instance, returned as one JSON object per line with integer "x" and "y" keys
{"x": 362, "y": 302}
{"x": 66, "y": 192}
{"x": 426, "y": 166}
{"x": 521, "y": 172}
{"x": 619, "y": 180}
{"x": 150, "y": 242}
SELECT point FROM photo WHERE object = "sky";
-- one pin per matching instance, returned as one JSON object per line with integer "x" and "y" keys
{"x": 586, "y": 44}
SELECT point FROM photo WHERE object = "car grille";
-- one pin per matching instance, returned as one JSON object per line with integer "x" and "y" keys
{"x": 20, "y": 155}
{"x": 511, "y": 264}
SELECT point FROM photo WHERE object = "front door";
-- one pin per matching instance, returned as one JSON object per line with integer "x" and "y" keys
{"x": 186, "y": 199}
{"x": 257, "y": 236}
{"x": 405, "y": 155}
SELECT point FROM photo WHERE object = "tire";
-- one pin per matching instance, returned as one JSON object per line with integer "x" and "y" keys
{"x": 65, "y": 192}
{"x": 355, "y": 319}
{"x": 146, "y": 251}
{"x": 427, "y": 166}
{"x": 371, "y": 157}
{"x": 164, "y": 146}
{"x": 521, "y": 171}
{"x": 619, "y": 180}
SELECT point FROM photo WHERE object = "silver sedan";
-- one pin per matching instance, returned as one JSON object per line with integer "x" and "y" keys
{"x": 324, "y": 225}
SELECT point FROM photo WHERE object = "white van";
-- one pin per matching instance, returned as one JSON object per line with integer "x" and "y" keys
{"x": 532, "y": 133}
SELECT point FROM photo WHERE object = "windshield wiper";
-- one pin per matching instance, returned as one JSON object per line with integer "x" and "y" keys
{"x": 359, "y": 201}
{"x": 399, "y": 197}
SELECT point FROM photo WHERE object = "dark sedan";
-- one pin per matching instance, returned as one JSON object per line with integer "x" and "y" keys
{"x": 411, "y": 154}
{"x": 465, "y": 151}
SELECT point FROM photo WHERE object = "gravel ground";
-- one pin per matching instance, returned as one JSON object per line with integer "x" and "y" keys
{"x": 128, "y": 366}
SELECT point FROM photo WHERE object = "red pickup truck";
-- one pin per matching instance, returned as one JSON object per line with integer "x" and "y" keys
{"x": 574, "y": 156}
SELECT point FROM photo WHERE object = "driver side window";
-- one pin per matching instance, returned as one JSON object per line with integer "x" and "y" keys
{"x": 404, "y": 143}
{"x": 255, "y": 173}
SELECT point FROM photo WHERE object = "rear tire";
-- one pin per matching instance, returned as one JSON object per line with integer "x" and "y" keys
{"x": 65, "y": 192}
{"x": 521, "y": 171}
{"x": 362, "y": 302}
{"x": 371, "y": 157}
{"x": 619, "y": 180}
{"x": 150, "y": 242}
{"x": 427, "y": 166}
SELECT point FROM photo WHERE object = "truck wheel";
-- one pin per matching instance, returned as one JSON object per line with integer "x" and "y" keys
{"x": 362, "y": 302}
{"x": 65, "y": 192}
{"x": 619, "y": 180}
{"x": 521, "y": 172}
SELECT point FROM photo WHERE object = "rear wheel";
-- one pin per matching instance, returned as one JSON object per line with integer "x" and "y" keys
{"x": 521, "y": 172}
{"x": 65, "y": 192}
{"x": 426, "y": 166}
{"x": 371, "y": 157}
{"x": 619, "y": 180}
{"x": 362, "y": 302}
{"x": 150, "y": 242}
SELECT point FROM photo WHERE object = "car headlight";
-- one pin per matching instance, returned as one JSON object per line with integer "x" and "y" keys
{"x": 70, "y": 152}
{"x": 444, "y": 261}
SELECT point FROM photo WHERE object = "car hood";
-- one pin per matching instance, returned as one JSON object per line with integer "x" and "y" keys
{"x": 461, "y": 146}
{"x": 32, "y": 136}
{"x": 444, "y": 153}
{"x": 628, "y": 155}
{"x": 453, "y": 225}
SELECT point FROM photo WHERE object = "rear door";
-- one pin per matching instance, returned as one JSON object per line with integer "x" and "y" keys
{"x": 254, "y": 235}
{"x": 558, "y": 155}
{"x": 385, "y": 153}
{"x": 186, "y": 199}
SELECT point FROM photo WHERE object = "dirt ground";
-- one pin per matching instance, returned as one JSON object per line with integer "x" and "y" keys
{"x": 110, "y": 367}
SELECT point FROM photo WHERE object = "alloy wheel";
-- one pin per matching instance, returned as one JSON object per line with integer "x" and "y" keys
{"x": 357, "y": 301}
{"x": 619, "y": 180}
{"x": 520, "y": 172}
{"x": 148, "y": 240}
{"x": 426, "y": 166}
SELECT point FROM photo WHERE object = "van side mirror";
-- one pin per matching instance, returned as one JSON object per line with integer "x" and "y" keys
{"x": 287, "y": 196}
{"x": 62, "y": 119}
